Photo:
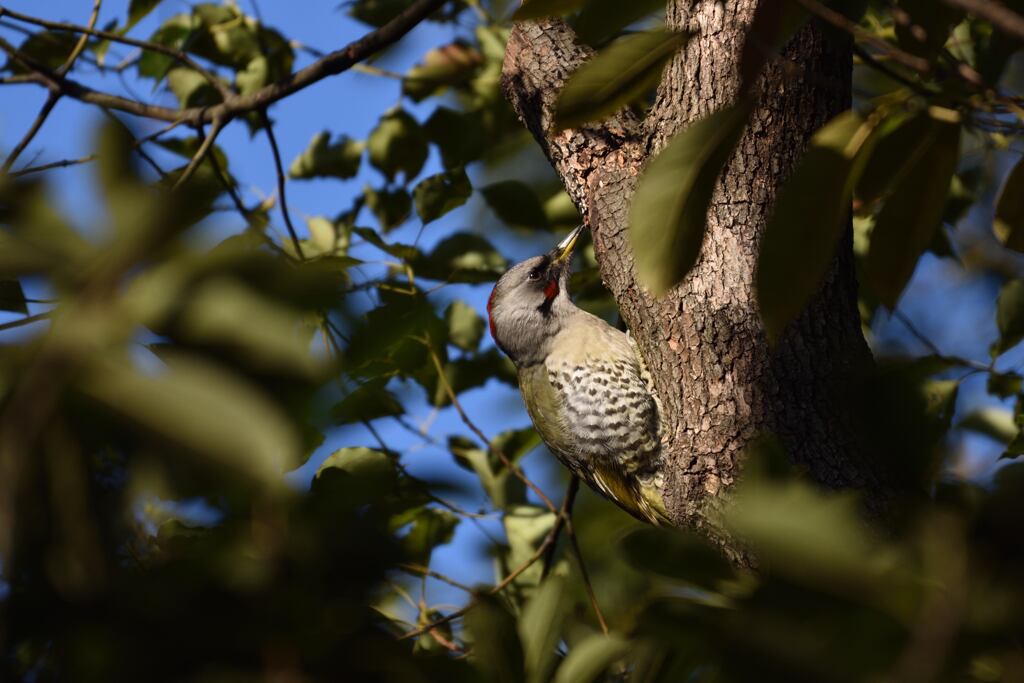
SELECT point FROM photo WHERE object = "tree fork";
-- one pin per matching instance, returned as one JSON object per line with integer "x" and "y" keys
{"x": 720, "y": 383}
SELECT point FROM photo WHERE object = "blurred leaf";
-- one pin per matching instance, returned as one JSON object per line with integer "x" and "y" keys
{"x": 465, "y": 326}
{"x": 1009, "y": 218}
{"x": 807, "y": 535}
{"x": 139, "y": 10}
{"x": 668, "y": 212}
{"x": 1009, "y": 317}
{"x": 601, "y": 19}
{"x": 430, "y": 528}
{"x": 996, "y": 423}
{"x": 458, "y": 135}
{"x": 173, "y": 33}
{"x": 1004, "y": 384}
{"x": 393, "y": 338}
{"x": 191, "y": 88}
{"x": 928, "y": 28}
{"x": 463, "y": 374}
{"x": 49, "y": 49}
{"x": 437, "y": 195}
{"x": 497, "y": 651}
{"x": 516, "y": 204}
{"x": 322, "y": 159}
{"x": 809, "y": 218}
{"x": 206, "y": 410}
{"x": 678, "y": 555}
{"x": 391, "y": 207}
{"x": 327, "y": 238}
{"x": 12, "y": 298}
{"x": 616, "y": 76}
{"x": 404, "y": 252}
{"x": 590, "y": 658}
{"x": 368, "y": 401}
{"x": 774, "y": 23}
{"x": 441, "y": 67}
{"x": 540, "y": 628}
{"x": 537, "y": 9}
{"x": 461, "y": 257}
{"x": 398, "y": 143}
{"x": 913, "y": 212}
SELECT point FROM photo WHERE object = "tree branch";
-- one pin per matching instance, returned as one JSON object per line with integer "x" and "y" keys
{"x": 332, "y": 64}
{"x": 279, "y": 168}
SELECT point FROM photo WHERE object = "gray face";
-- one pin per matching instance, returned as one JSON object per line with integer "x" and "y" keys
{"x": 528, "y": 307}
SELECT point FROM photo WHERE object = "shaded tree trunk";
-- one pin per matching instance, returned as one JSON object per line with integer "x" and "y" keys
{"x": 719, "y": 381}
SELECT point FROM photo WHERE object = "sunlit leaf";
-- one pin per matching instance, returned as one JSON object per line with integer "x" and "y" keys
{"x": 397, "y": 144}
{"x": 668, "y": 213}
{"x": 191, "y": 88}
{"x": 322, "y": 158}
{"x": 465, "y": 326}
{"x": 996, "y": 423}
{"x": 364, "y": 473}
{"x": 616, "y": 76}
{"x": 461, "y": 257}
{"x": 526, "y": 526}
{"x": 590, "y": 658}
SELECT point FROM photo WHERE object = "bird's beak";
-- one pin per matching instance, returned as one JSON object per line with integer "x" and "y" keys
{"x": 563, "y": 252}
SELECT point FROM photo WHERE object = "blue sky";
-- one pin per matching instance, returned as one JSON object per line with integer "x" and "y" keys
{"x": 953, "y": 308}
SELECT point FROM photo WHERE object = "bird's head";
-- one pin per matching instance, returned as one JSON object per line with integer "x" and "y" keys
{"x": 531, "y": 301}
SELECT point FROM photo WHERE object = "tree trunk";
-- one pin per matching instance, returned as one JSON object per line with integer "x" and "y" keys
{"x": 719, "y": 381}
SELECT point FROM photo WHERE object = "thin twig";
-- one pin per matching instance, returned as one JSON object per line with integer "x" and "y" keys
{"x": 21, "y": 322}
{"x": 934, "y": 348}
{"x": 48, "y": 105}
{"x": 201, "y": 153}
{"x": 420, "y": 570}
{"x": 538, "y": 553}
{"x": 63, "y": 163}
{"x": 279, "y": 167}
{"x": 996, "y": 13}
{"x": 570, "y": 498}
{"x": 82, "y": 41}
{"x": 583, "y": 573}
{"x": 480, "y": 435}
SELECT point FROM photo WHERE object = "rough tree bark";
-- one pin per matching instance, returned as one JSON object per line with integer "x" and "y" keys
{"x": 720, "y": 382}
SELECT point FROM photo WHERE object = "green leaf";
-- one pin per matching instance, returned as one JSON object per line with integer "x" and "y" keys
{"x": 996, "y": 423}
{"x": 49, "y": 49}
{"x": 191, "y": 88}
{"x": 537, "y": 9}
{"x": 398, "y": 143}
{"x": 323, "y": 159}
{"x": 461, "y": 257}
{"x": 525, "y": 527}
{"x": 139, "y": 10}
{"x": 463, "y": 374}
{"x": 437, "y": 195}
{"x": 590, "y": 658}
{"x": 369, "y": 401}
{"x": 12, "y": 298}
{"x": 809, "y": 218}
{"x": 442, "y": 67}
{"x": 668, "y": 214}
{"x": 459, "y": 136}
{"x": 516, "y": 204}
{"x": 497, "y": 651}
{"x": 601, "y": 19}
{"x": 1009, "y": 219}
{"x": 678, "y": 555}
{"x": 390, "y": 207}
{"x": 207, "y": 411}
{"x": 912, "y": 214}
{"x": 363, "y": 475}
{"x": 540, "y": 628}
{"x": 327, "y": 237}
{"x": 465, "y": 326}
{"x": 174, "y": 33}
{"x": 430, "y": 528}
{"x": 1009, "y": 316}
{"x": 616, "y": 76}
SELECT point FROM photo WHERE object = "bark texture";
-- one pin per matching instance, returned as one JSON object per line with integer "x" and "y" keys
{"x": 720, "y": 383}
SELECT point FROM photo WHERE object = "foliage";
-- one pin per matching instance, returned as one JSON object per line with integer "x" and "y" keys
{"x": 162, "y": 370}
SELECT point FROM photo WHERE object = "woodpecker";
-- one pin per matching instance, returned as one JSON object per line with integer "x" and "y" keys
{"x": 584, "y": 383}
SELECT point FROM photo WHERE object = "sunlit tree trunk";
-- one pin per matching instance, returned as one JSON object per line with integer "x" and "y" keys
{"x": 720, "y": 383}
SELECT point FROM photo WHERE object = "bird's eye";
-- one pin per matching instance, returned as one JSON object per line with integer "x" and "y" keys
{"x": 534, "y": 275}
